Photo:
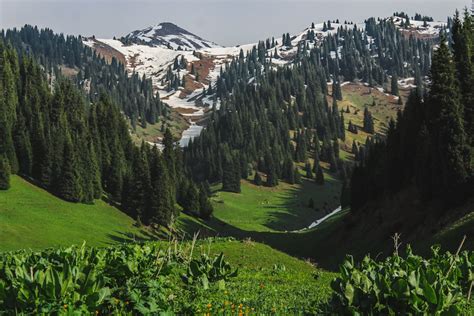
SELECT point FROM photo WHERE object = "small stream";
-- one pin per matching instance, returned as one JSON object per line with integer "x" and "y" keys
{"x": 320, "y": 220}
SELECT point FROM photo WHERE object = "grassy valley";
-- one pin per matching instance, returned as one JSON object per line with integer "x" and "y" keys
{"x": 94, "y": 220}
{"x": 281, "y": 208}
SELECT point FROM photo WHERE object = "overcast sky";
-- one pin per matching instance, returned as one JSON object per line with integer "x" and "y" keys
{"x": 226, "y": 22}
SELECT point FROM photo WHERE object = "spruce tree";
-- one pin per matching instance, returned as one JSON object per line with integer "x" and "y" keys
{"x": 231, "y": 174}
{"x": 394, "y": 85}
{"x": 69, "y": 187}
{"x": 463, "y": 46}
{"x": 336, "y": 89}
{"x": 8, "y": 104}
{"x": 205, "y": 206}
{"x": 192, "y": 199}
{"x": 319, "y": 176}
{"x": 452, "y": 160}
{"x": 272, "y": 177}
{"x": 368, "y": 121}
{"x": 257, "y": 180}
{"x": 309, "y": 173}
{"x": 4, "y": 173}
{"x": 162, "y": 198}
{"x": 297, "y": 175}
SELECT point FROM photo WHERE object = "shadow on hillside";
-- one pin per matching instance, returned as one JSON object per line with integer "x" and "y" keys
{"x": 121, "y": 237}
{"x": 296, "y": 213}
{"x": 311, "y": 245}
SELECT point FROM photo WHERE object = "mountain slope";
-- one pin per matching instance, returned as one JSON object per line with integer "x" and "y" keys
{"x": 168, "y": 35}
{"x": 153, "y": 52}
{"x": 30, "y": 217}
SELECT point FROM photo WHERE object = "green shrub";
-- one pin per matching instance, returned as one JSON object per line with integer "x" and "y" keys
{"x": 206, "y": 270}
{"x": 161, "y": 278}
{"x": 407, "y": 285}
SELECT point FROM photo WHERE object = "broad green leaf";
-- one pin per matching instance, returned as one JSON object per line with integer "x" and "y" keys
{"x": 349, "y": 293}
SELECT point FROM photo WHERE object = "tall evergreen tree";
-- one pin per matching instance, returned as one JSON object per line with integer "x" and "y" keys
{"x": 463, "y": 46}
{"x": 231, "y": 174}
{"x": 394, "y": 85}
{"x": 69, "y": 185}
{"x": 309, "y": 173}
{"x": 205, "y": 207}
{"x": 368, "y": 121}
{"x": 319, "y": 175}
{"x": 257, "y": 180}
{"x": 4, "y": 173}
{"x": 452, "y": 160}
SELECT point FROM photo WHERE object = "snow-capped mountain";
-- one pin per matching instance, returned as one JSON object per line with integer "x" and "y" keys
{"x": 168, "y": 35}
{"x": 155, "y": 52}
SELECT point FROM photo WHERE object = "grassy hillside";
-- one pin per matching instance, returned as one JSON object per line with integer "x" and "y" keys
{"x": 281, "y": 208}
{"x": 328, "y": 243}
{"x": 30, "y": 217}
{"x": 356, "y": 97}
{"x": 154, "y": 132}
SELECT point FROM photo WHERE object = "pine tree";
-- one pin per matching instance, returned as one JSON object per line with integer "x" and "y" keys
{"x": 368, "y": 121}
{"x": 452, "y": 160}
{"x": 4, "y": 173}
{"x": 319, "y": 176}
{"x": 336, "y": 89}
{"x": 272, "y": 177}
{"x": 8, "y": 104}
{"x": 394, "y": 85}
{"x": 463, "y": 45}
{"x": 162, "y": 198}
{"x": 257, "y": 180}
{"x": 192, "y": 199}
{"x": 69, "y": 187}
{"x": 297, "y": 175}
{"x": 352, "y": 128}
{"x": 288, "y": 171}
{"x": 169, "y": 156}
{"x": 309, "y": 173}
{"x": 205, "y": 207}
{"x": 231, "y": 174}
{"x": 141, "y": 185}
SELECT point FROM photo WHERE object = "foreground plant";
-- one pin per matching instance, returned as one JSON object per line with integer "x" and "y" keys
{"x": 141, "y": 279}
{"x": 408, "y": 285}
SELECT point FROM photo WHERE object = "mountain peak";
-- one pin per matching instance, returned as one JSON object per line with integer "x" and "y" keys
{"x": 169, "y": 35}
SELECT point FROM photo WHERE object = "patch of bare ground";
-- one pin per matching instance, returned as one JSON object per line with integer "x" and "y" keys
{"x": 202, "y": 68}
{"x": 68, "y": 71}
{"x": 108, "y": 52}
{"x": 413, "y": 32}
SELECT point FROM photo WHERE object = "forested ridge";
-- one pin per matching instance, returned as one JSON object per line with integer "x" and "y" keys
{"x": 430, "y": 146}
{"x": 134, "y": 95}
{"x": 82, "y": 150}
{"x": 261, "y": 104}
